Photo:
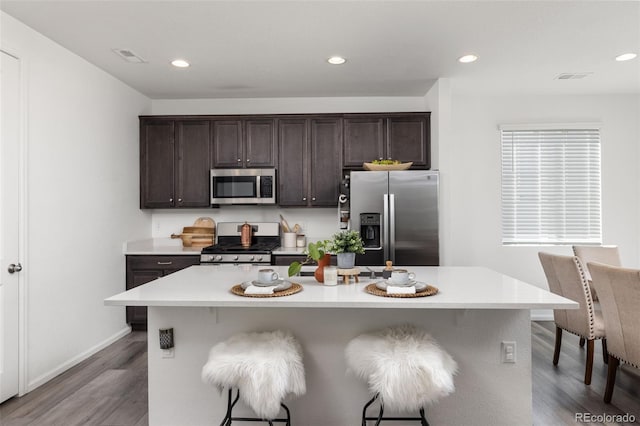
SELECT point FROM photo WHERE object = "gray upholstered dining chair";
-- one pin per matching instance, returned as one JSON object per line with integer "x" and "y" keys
{"x": 609, "y": 255}
{"x": 566, "y": 278}
{"x": 619, "y": 290}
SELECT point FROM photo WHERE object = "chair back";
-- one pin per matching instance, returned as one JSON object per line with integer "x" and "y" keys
{"x": 619, "y": 290}
{"x": 566, "y": 278}
{"x": 609, "y": 255}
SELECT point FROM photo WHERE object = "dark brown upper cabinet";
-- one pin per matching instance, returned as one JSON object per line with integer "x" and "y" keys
{"x": 404, "y": 137}
{"x": 408, "y": 139}
{"x": 363, "y": 139}
{"x": 174, "y": 163}
{"x": 243, "y": 143}
{"x": 309, "y": 161}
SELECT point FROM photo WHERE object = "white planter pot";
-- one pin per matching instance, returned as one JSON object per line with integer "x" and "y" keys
{"x": 346, "y": 260}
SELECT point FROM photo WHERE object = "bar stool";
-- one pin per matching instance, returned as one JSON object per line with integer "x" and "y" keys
{"x": 264, "y": 367}
{"x": 405, "y": 369}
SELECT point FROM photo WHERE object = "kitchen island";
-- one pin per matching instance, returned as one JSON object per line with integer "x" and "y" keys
{"x": 475, "y": 311}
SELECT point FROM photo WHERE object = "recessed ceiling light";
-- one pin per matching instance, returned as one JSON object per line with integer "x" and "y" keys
{"x": 626, "y": 57}
{"x": 180, "y": 63}
{"x": 336, "y": 60}
{"x": 467, "y": 58}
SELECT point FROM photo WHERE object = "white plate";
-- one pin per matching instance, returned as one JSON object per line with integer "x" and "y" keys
{"x": 420, "y": 286}
{"x": 407, "y": 284}
{"x": 259, "y": 283}
{"x": 282, "y": 286}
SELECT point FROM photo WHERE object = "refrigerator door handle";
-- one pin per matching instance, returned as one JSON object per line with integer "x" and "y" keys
{"x": 392, "y": 227}
{"x": 385, "y": 227}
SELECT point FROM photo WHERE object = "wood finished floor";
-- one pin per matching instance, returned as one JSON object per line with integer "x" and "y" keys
{"x": 110, "y": 388}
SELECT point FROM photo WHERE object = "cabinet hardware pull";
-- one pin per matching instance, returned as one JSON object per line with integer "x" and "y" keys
{"x": 380, "y": 158}
{"x": 179, "y": 200}
{"x": 248, "y": 160}
{"x": 171, "y": 200}
{"x": 313, "y": 198}
{"x": 165, "y": 263}
{"x": 304, "y": 198}
{"x": 239, "y": 160}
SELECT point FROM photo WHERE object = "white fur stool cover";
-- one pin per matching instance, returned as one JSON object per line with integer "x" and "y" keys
{"x": 265, "y": 367}
{"x": 404, "y": 365}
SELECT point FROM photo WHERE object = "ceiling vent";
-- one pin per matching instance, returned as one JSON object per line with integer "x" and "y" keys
{"x": 129, "y": 56}
{"x": 573, "y": 76}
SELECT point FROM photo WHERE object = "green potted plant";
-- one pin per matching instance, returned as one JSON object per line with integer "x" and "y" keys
{"x": 315, "y": 252}
{"x": 346, "y": 244}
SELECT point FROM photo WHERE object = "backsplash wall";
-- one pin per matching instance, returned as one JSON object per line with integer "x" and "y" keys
{"x": 316, "y": 223}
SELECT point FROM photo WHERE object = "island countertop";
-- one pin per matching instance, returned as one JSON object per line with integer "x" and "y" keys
{"x": 459, "y": 288}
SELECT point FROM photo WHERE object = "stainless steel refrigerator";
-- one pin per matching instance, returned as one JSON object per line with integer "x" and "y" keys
{"x": 396, "y": 213}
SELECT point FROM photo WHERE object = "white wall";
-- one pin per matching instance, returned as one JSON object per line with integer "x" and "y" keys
{"x": 81, "y": 145}
{"x": 474, "y": 188}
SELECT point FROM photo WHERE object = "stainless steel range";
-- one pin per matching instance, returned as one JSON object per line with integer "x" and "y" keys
{"x": 266, "y": 238}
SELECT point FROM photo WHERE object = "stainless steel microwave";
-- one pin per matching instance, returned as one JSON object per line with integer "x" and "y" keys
{"x": 243, "y": 186}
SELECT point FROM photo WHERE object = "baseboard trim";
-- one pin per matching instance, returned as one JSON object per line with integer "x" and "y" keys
{"x": 44, "y": 378}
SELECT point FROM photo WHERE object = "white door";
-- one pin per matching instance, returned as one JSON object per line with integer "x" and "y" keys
{"x": 9, "y": 223}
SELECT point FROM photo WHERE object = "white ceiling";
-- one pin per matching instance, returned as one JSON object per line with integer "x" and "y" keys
{"x": 241, "y": 49}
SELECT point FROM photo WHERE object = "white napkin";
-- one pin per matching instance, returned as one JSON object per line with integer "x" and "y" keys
{"x": 392, "y": 289}
{"x": 254, "y": 289}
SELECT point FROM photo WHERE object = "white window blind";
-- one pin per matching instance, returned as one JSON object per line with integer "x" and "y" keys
{"x": 551, "y": 186}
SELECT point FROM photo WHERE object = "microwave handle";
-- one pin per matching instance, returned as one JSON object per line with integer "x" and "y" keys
{"x": 259, "y": 187}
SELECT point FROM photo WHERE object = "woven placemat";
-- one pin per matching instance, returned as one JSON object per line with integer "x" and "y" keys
{"x": 429, "y": 291}
{"x": 295, "y": 288}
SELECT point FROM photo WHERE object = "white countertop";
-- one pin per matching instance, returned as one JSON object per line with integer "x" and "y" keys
{"x": 460, "y": 288}
{"x": 159, "y": 246}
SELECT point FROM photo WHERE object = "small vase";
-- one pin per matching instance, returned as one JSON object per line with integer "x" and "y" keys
{"x": 322, "y": 262}
{"x": 346, "y": 260}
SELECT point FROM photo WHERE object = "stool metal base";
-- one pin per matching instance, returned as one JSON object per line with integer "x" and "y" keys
{"x": 228, "y": 418}
{"x": 422, "y": 419}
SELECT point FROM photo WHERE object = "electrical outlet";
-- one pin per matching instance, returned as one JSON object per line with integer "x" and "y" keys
{"x": 508, "y": 352}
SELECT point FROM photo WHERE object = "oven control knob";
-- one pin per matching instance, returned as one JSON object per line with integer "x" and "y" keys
{"x": 235, "y": 257}
{"x": 218, "y": 258}
{"x": 259, "y": 258}
{"x": 252, "y": 258}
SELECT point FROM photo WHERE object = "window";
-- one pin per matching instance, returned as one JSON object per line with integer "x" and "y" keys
{"x": 551, "y": 184}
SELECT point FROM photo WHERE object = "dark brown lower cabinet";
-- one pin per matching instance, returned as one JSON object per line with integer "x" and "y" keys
{"x": 142, "y": 269}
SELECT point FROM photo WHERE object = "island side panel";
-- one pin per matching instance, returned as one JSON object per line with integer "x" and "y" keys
{"x": 487, "y": 391}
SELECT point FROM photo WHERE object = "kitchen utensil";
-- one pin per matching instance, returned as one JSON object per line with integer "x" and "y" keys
{"x": 194, "y": 239}
{"x": 289, "y": 239}
{"x": 386, "y": 273}
{"x": 402, "y": 277}
{"x": 197, "y": 230}
{"x": 267, "y": 276}
{"x": 296, "y": 228}
{"x": 373, "y": 273}
{"x": 246, "y": 232}
{"x": 205, "y": 222}
{"x": 285, "y": 225}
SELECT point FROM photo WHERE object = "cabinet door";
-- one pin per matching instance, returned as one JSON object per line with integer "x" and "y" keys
{"x": 326, "y": 144}
{"x": 227, "y": 144}
{"x": 408, "y": 139}
{"x": 260, "y": 143}
{"x": 137, "y": 315}
{"x": 363, "y": 140}
{"x": 193, "y": 163}
{"x": 292, "y": 158}
{"x": 156, "y": 163}
{"x": 142, "y": 269}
